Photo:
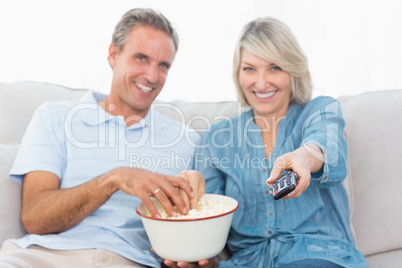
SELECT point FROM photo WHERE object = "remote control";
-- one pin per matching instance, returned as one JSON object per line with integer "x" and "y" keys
{"x": 284, "y": 185}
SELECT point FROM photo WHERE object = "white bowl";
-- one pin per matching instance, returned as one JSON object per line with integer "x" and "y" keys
{"x": 189, "y": 240}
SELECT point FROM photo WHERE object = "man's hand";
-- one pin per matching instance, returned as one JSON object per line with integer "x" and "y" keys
{"x": 144, "y": 184}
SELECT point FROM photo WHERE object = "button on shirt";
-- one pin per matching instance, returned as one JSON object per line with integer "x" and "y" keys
{"x": 267, "y": 232}
{"x": 80, "y": 141}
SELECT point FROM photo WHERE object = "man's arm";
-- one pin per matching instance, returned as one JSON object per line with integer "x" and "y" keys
{"x": 48, "y": 209}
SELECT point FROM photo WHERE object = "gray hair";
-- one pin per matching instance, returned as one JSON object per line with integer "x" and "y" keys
{"x": 142, "y": 16}
{"x": 271, "y": 40}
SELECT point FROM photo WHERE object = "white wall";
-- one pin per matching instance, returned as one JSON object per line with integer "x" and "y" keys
{"x": 353, "y": 45}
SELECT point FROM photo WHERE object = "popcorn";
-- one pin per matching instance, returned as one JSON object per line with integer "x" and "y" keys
{"x": 204, "y": 209}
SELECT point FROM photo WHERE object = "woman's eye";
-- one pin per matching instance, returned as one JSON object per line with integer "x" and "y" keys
{"x": 247, "y": 69}
{"x": 275, "y": 68}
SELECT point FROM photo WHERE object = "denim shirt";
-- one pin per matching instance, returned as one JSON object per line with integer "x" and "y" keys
{"x": 267, "y": 232}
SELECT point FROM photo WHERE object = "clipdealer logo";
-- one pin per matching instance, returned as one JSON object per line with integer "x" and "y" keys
{"x": 235, "y": 136}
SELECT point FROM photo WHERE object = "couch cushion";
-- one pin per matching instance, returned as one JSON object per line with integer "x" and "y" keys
{"x": 19, "y": 100}
{"x": 373, "y": 132}
{"x": 10, "y": 196}
{"x": 389, "y": 259}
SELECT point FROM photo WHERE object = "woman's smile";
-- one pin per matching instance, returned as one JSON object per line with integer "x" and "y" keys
{"x": 265, "y": 95}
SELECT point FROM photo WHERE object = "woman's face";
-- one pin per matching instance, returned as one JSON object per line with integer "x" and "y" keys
{"x": 265, "y": 85}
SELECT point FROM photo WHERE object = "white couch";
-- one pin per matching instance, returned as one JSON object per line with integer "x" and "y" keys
{"x": 373, "y": 132}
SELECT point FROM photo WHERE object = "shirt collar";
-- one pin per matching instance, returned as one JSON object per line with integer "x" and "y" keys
{"x": 91, "y": 113}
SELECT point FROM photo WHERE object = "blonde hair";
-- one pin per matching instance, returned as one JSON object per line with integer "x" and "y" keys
{"x": 271, "y": 40}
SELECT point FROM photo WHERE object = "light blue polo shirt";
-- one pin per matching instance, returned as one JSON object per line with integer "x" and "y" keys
{"x": 79, "y": 141}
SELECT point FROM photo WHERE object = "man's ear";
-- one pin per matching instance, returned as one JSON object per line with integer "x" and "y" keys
{"x": 112, "y": 54}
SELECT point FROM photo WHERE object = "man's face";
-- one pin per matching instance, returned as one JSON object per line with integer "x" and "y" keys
{"x": 140, "y": 69}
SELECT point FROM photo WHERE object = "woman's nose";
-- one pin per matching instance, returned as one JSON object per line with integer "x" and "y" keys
{"x": 263, "y": 81}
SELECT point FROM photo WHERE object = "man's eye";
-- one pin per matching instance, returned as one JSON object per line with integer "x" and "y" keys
{"x": 140, "y": 57}
{"x": 164, "y": 65}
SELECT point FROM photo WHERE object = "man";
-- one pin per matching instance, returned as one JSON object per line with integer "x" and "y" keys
{"x": 81, "y": 164}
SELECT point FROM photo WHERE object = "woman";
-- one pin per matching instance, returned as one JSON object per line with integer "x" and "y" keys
{"x": 284, "y": 130}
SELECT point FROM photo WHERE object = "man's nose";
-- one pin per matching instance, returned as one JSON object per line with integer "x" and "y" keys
{"x": 151, "y": 74}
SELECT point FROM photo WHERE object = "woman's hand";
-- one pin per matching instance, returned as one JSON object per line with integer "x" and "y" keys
{"x": 197, "y": 183}
{"x": 302, "y": 161}
{"x": 182, "y": 264}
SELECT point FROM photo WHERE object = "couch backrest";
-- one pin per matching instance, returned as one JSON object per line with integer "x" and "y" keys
{"x": 373, "y": 132}
{"x": 19, "y": 100}
{"x": 199, "y": 115}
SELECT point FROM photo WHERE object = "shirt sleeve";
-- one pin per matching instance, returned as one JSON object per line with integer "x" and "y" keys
{"x": 42, "y": 147}
{"x": 324, "y": 127}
